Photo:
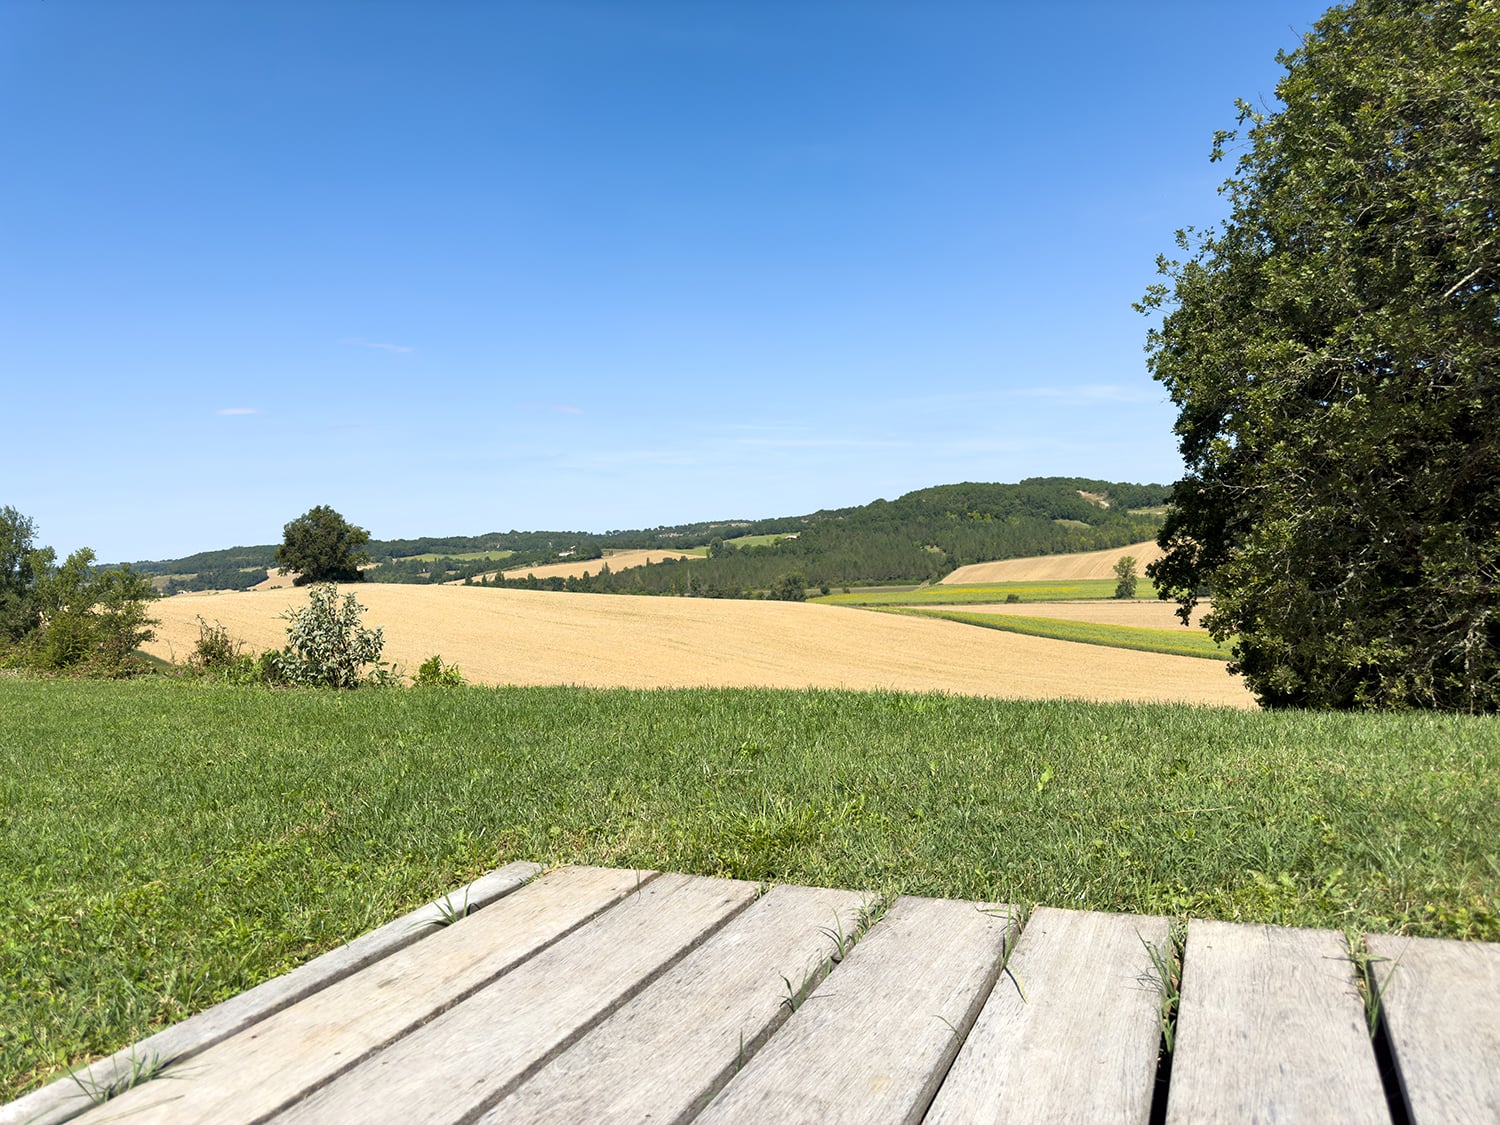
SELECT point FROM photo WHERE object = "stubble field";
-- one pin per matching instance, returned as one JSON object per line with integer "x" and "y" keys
{"x": 542, "y": 638}
{"x": 1053, "y": 568}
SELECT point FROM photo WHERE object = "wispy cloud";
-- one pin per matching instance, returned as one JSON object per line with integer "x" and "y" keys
{"x": 231, "y": 410}
{"x": 401, "y": 348}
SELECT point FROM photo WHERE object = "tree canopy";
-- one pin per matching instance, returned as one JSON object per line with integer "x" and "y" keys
{"x": 1333, "y": 349}
{"x": 321, "y": 546}
{"x": 75, "y": 616}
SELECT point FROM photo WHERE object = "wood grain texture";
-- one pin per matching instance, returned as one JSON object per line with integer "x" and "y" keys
{"x": 66, "y": 1098}
{"x": 1271, "y": 1027}
{"x": 474, "y": 1053}
{"x": 277, "y": 1060}
{"x": 1081, "y": 1044}
{"x": 664, "y": 1054}
{"x": 873, "y": 1042}
{"x": 1441, "y": 1001}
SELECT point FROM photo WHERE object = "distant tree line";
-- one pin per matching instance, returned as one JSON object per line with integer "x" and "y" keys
{"x": 920, "y": 537}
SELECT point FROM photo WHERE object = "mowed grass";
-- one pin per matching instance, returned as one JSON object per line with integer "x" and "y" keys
{"x": 1079, "y": 589}
{"x": 165, "y": 845}
{"x": 1173, "y": 642}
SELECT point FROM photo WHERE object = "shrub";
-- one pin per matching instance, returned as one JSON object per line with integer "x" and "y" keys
{"x": 327, "y": 646}
{"x": 215, "y": 650}
{"x": 434, "y": 673}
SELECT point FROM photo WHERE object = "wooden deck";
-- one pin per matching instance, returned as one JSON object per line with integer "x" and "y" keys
{"x": 591, "y": 994}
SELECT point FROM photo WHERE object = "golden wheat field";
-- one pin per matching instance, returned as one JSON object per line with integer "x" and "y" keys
{"x": 502, "y": 636}
{"x": 1052, "y": 568}
{"x": 620, "y": 560}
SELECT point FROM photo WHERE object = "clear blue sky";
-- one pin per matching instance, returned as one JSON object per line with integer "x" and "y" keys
{"x": 461, "y": 267}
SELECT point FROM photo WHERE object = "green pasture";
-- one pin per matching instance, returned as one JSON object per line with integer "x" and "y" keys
{"x": 1063, "y": 591}
{"x": 166, "y": 844}
{"x": 1174, "y": 642}
{"x": 755, "y": 540}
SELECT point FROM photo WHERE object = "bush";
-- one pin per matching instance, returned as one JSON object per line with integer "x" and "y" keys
{"x": 327, "y": 646}
{"x": 434, "y": 673}
{"x": 215, "y": 650}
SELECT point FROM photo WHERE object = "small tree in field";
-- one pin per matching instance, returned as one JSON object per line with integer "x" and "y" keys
{"x": 322, "y": 546}
{"x": 1125, "y": 573}
{"x": 326, "y": 645}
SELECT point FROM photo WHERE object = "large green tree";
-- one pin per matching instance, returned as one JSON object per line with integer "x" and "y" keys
{"x": 19, "y": 562}
{"x": 321, "y": 546}
{"x": 1333, "y": 349}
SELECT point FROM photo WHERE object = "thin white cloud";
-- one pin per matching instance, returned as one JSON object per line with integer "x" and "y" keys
{"x": 401, "y": 348}
{"x": 234, "y": 410}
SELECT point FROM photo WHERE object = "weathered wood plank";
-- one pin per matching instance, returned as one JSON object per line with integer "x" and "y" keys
{"x": 262, "y": 1069}
{"x": 1271, "y": 1027}
{"x": 1441, "y": 1001}
{"x": 668, "y": 1051}
{"x": 471, "y": 1055}
{"x": 68, "y": 1097}
{"x": 873, "y": 1042}
{"x": 1070, "y": 1032}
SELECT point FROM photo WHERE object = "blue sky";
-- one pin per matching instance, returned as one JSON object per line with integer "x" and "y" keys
{"x": 461, "y": 267}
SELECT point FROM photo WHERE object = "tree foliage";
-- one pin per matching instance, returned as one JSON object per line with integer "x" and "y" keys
{"x": 1125, "y": 576}
{"x": 1332, "y": 349}
{"x": 73, "y": 616}
{"x": 322, "y": 546}
{"x": 19, "y": 562}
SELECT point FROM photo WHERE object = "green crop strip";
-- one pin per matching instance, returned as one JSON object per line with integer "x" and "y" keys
{"x": 1173, "y": 642}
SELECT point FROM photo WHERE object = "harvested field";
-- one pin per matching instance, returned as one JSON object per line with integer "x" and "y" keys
{"x": 275, "y": 580}
{"x": 1051, "y": 568}
{"x": 531, "y": 637}
{"x": 1147, "y": 615}
{"x": 620, "y": 560}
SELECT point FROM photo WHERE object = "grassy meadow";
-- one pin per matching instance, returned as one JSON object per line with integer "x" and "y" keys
{"x": 166, "y": 844}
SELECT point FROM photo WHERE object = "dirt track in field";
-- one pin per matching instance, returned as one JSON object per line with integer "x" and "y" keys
{"x": 1052, "y": 568}
{"x": 535, "y": 637}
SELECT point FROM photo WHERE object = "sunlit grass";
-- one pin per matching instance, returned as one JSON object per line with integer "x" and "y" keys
{"x": 165, "y": 845}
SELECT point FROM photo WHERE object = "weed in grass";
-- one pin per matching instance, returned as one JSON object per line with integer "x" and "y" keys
{"x": 842, "y": 942}
{"x": 449, "y": 912}
{"x": 1365, "y": 978}
{"x": 1166, "y": 978}
{"x": 135, "y": 1070}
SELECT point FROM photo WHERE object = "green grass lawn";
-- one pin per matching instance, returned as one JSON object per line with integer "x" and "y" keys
{"x": 164, "y": 845}
{"x": 1174, "y": 642}
{"x": 1075, "y": 590}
